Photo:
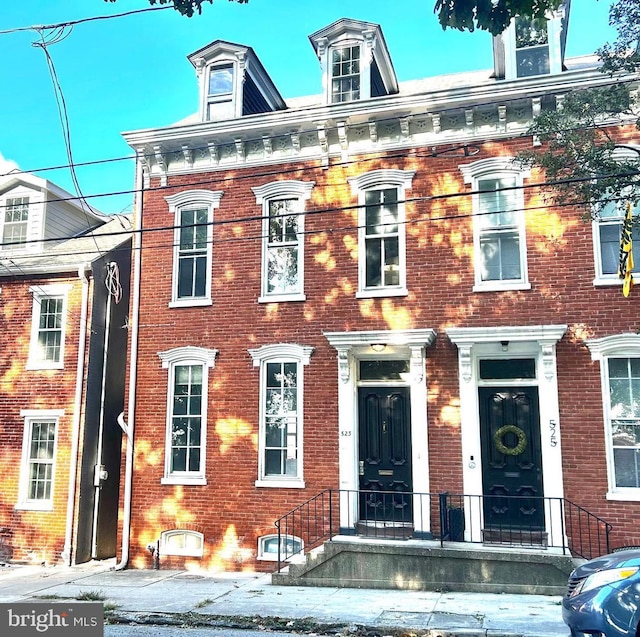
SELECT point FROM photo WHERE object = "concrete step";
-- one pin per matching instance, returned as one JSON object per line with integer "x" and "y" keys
{"x": 351, "y": 562}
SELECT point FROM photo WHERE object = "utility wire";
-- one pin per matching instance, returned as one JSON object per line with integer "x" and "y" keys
{"x": 309, "y": 165}
{"x": 70, "y": 23}
{"x": 424, "y": 218}
{"x": 328, "y": 129}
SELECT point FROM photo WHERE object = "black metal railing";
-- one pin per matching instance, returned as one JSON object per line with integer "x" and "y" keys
{"x": 518, "y": 521}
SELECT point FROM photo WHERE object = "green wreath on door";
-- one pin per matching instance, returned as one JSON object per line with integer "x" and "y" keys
{"x": 510, "y": 451}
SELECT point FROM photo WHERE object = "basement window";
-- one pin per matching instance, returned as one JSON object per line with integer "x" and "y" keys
{"x": 181, "y": 542}
{"x": 268, "y": 547}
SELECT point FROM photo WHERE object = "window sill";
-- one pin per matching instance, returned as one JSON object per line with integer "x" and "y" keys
{"x": 613, "y": 282}
{"x": 166, "y": 551}
{"x": 183, "y": 481}
{"x": 381, "y": 292}
{"x": 34, "y": 366}
{"x": 299, "y": 558}
{"x": 282, "y": 298}
{"x": 501, "y": 287}
{"x": 281, "y": 484}
{"x": 631, "y": 495}
{"x": 191, "y": 303}
{"x": 34, "y": 506}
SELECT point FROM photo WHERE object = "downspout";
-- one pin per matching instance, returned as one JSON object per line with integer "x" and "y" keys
{"x": 84, "y": 274}
{"x": 133, "y": 370}
{"x": 99, "y": 475}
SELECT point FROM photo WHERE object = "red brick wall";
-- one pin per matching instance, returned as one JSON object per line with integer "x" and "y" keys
{"x": 27, "y": 535}
{"x": 440, "y": 280}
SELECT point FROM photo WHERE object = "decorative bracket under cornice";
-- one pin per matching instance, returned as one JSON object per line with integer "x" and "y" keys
{"x": 239, "y": 150}
{"x": 213, "y": 153}
{"x": 324, "y": 144}
{"x": 373, "y": 132}
{"x": 161, "y": 162}
{"x": 188, "y": 155}
{"x": 267, "y": 145}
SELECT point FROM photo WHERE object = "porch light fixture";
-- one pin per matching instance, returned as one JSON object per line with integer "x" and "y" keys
{"x": 505, "y": 345}
{"x": 378, "y": 347}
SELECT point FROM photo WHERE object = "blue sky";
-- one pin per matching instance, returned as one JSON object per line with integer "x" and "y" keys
{"x": 131, "y": 72}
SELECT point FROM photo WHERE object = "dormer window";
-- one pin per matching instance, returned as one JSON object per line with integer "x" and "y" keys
{"x": 355, "y": 61}
{"x": 16, "y": 218}
{"x": 532, "y": 46}
{"x": 345, "y": 74}
{"x": 220, "y": 92}
{"x": 233, "y": 82}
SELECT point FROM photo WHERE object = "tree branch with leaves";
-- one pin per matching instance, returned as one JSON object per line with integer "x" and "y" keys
{"x": 493, "y": 16}
{"x": 186, "y": 7}
{"x": 577, "y": 153}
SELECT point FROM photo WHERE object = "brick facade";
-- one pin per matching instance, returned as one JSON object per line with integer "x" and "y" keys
{"x": 231, "y": 508}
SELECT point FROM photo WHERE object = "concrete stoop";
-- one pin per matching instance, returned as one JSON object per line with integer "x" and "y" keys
{"x": 422, "y": 565}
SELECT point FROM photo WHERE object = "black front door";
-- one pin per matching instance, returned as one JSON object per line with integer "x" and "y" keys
{"x": 385, "y": 454}
{"x": 511, "y": 458}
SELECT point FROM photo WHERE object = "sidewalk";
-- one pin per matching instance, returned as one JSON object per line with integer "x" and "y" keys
{"x": 249, "y": 599}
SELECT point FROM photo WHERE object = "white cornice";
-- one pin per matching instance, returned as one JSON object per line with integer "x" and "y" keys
{"x": 493, "y": 110}
{"x": 284, "y": 187}
{"x": 200, "y": 354}
{"x": 385, "y": 176}
{"x": 466, "y": 336}
{"x": 281, "y": 350}
{"x": 341, "y": 340}
{"x": 616, "y": 345}
{"x": 392, "y": 105}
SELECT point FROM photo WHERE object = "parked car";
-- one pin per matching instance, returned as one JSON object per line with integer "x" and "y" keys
{"x": 603, "y": 596}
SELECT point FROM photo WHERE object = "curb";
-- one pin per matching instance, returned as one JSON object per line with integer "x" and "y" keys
{"x": 305, "y": 625}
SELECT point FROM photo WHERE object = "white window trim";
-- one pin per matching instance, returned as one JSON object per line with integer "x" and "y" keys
{"x": 616, "y": 346}
{"x": 31, "y": 415}
{"x": 285, "y": 189}
{"x": 167, "y": 550}
{"x": 378, "y": 180}
{"x": 364, "y": 63}
{"x": 497, "y": 168}
{"x": 554, "y": 27}
{"x": 20, "y": 246}
{"x": 626, "y": 152}
{"x": 170, "y": 359}
{"x": 601, "y": 279}
{"x": 234, "y": 100}
{"x": 192, "y": 199}
{"x": 273, "y": 557}
{"x": 41, "y": 292}
{"x": 281, "y": 353}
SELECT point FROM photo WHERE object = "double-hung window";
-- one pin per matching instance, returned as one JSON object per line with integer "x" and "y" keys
{"x": 37, "y": 471}
{"x": 220, "y": 91}
{"x": 619, "y": 358}
{"x": 281, "y": 414}
{"x": 192, "y": 250}
{"x": 381, "y": 231}
{"x": 607, "y": 229}
{"x": 186, "y": 413}
{"x": 532, "y": 46}
{"x": 500, "y": 245}
{"x": 48, "y": 319}
{"x": 345, "y": 73}
{"x": 16, "y": 219}
{"x": 283, "y": 239}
